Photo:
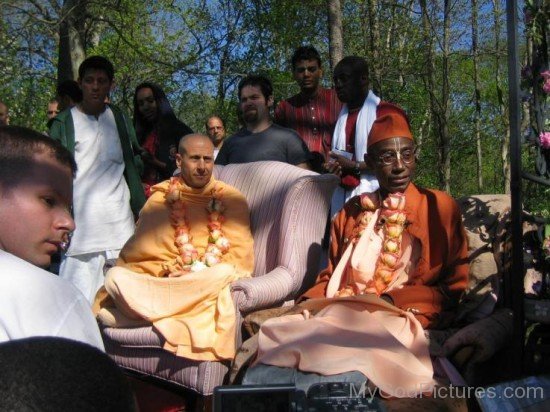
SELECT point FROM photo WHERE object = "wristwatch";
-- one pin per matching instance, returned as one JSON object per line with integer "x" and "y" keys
{"x": 358, "y": 168}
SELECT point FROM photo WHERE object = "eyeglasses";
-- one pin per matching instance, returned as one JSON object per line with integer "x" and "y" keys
{"x": 311, "y": 69}
{"x": 390, "y": 157}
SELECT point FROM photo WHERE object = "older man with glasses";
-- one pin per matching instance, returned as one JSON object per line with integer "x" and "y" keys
{"x": 398, "y": 264}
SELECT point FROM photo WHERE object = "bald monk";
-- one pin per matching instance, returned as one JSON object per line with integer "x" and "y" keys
{"x": 397, "y": 265}
{"x": 191, "y": 241}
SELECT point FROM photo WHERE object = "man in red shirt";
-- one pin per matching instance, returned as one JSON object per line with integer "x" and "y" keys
{"x": 314, "y": 111}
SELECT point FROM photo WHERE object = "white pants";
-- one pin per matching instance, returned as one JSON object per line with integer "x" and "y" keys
{"x": 86, "y": 271}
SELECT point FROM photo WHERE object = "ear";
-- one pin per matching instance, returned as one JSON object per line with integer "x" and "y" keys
{"x": 178, "y": 160}
{"x": 270, "y": 101}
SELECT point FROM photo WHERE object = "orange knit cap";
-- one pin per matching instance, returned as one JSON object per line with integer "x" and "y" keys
{"x": 392, "y": 121}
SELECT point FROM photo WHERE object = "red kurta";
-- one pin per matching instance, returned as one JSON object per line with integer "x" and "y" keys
{"x": 314, "y": 119}
{"x": 441, "y": 275}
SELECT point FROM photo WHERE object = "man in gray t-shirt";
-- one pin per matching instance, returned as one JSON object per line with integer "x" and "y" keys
{"x": 260, "y": 139}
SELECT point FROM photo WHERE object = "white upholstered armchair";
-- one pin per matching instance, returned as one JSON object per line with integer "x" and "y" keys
{"x": 289, "y": 208}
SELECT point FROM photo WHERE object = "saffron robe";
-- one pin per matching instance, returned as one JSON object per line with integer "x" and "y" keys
{"x": 441, "y": 274}
{"x": 385, "y": 342}
{"x": 194, "y": 312}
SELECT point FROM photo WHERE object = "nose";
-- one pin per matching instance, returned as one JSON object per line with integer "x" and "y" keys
{"x": 398, "y": 164}
{"x": 65, "y": 221}
{"x": 201, "y": 165}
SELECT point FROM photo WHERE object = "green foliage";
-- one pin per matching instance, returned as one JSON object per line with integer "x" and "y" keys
{"x": 198, "y": 51}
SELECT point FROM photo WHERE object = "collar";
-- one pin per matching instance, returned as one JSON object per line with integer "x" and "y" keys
{"x": 203, "y": 191}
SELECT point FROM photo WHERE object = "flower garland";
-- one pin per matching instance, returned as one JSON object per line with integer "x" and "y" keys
{"x": 218, "y": 245}
{"x": 393, "y": 221}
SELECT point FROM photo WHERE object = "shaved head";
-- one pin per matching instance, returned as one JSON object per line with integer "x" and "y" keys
{"x": 195, "y": 158}
{"x": 192, "y": 137}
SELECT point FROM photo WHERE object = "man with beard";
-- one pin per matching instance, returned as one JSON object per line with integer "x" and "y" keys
{"x": 260, "y": 139}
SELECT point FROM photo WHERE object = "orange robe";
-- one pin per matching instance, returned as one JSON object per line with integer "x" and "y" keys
{"x": 364, "y": 333}
{"x": 194, "y": 312}
{"x": 441, "y": 274}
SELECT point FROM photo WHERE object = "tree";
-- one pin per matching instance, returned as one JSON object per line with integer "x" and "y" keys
{"x": 336, "y": 40}
{"x": 72, "y": 39}
{"x": 477, "y": 97}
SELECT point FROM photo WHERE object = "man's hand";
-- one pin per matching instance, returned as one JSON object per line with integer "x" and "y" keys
{"x": 338, "y": 163}
{"x": 333, "y": 167}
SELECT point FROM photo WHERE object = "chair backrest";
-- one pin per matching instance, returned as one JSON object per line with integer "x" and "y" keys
{"x": 277, "y": 193}
{"x": 485, "y": 218}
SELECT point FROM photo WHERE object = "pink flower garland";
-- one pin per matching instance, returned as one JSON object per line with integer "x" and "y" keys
{"x": 218, "y": 244}
{"x": 393, "y": 220}
{"x": 544, "y": 140}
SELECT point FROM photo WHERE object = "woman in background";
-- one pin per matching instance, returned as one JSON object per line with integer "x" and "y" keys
{"x": 158, "y": 131}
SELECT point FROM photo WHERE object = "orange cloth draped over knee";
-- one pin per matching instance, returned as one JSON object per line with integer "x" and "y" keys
{"x": 194, "y": 312}
{"x": 359, "y": 333}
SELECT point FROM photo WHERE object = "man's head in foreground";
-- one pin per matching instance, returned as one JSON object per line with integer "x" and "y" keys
{"x": 391, "y": 151}
{"x": 306, "y": 68}
{"x": 4, "y": 114}
{"x": 36, "y": 193}
{"x": 215, "y": 130}
{"x": 195, "y": 159}
{"x": 78, "y": 377}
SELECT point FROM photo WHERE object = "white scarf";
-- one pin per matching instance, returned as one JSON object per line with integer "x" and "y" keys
{"x": 365, "y": 119}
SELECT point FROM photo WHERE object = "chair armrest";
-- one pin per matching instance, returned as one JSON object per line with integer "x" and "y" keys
{"x": 262, "y": 291}
{"x": 485, "y": 337}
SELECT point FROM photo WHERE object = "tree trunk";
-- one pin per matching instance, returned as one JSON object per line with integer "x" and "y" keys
{"x": 477, "y": 98}
{"x": 503, "y": 109}
{"x": 444, "y": 138}
{"x": 72, "y": 39}
{"x": 336, "y": 40}
{"x": 375, "y": 46}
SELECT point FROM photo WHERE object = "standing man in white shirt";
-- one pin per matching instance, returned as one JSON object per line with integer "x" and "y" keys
{"x": 35, "y": 221}
{"x": 107, "y": 189}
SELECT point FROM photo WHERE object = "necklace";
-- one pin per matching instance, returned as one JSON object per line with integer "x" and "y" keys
{"x": 190, "y": 260}
{"x": 392, "y": 222}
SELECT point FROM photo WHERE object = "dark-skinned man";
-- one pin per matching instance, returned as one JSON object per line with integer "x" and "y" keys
{"x": 398, "y": 263}
{"x": 349, "y": 141}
